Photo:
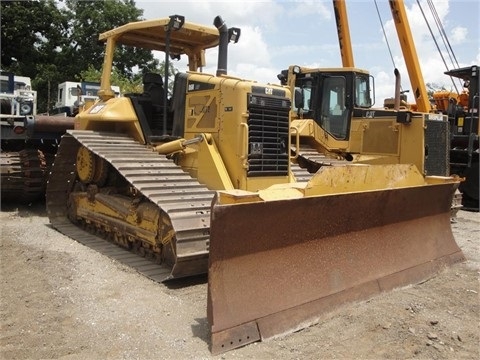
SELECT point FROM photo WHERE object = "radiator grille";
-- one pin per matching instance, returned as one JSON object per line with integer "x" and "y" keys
{"x": 268, "y": 136}
{"x": 437, "y": 150}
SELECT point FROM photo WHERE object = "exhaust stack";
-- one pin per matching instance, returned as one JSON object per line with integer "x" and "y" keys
{"x": 222, "y": 46}
{"x": 226, "y": 35}
{"x": 398, "y": 84}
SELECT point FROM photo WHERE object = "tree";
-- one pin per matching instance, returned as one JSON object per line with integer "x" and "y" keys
{"x": 30, "y": 32}
{"x": 127, "y": 85}
{"x": 85, "y": 26}
{"x": 52, "y": 43}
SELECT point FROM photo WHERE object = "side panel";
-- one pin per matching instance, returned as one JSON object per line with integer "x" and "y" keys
{"x": 249, "y": 124}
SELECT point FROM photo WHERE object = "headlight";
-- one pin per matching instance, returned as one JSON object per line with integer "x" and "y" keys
{"x": 26, "y": 108}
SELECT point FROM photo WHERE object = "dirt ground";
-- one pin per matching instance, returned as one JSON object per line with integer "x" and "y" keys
{"x": 62, "y": 300}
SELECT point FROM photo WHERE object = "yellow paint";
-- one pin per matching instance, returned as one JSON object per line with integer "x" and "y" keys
{"x": 114, "y": 115}
{"x": 139, "y": 221}
{"x": 85, "y": 164}
{"x": 333, "y": 180}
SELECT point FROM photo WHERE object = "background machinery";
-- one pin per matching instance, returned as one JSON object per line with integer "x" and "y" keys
{"x": 459, "y": 160}
{"x": 316, "y": 142}
{"x": 75, "y": 96}
{"x": 463, "y": 111}
{"x": 29, "y": 141}
{"x": 335, "y": 121}
{"x": 201, "y": 181}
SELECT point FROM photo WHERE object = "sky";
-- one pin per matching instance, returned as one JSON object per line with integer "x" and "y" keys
{"x": 276, "y": 34}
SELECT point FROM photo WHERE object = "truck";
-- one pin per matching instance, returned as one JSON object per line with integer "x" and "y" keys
{"x": 201, "y": 182}
{"x": 28, "y": 141}
{"x": 73, "y": 95}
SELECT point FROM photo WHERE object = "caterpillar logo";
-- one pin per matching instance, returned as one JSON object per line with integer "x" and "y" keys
{"x": 268, "y": 90}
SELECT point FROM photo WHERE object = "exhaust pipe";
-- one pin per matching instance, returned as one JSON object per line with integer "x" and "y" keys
{"x": 222, "y": 46}
{"x": 226, "y": 35}
{"x": 398, "y": 84}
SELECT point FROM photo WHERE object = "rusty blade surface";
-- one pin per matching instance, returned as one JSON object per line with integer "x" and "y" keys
{"x": 275, "y": 266}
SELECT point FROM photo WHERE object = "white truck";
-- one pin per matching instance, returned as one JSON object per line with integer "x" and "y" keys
{"x": 73, "y": 95}
{"x": 29, "y": 141}
{"x": 16, "y": 96}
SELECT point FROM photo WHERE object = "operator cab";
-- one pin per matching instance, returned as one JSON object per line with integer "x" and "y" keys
{"x": 329, "y": 97}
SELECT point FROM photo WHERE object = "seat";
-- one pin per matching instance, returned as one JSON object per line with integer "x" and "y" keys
{"x": 154, "y": 91}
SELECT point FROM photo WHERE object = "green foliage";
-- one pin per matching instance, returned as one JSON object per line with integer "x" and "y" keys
{"x": 29, "y": 31}
{"x": 55, "y": 41}
{"x": 127, "y": 85}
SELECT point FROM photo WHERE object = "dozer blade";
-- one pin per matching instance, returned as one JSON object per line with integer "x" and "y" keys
{"x": 275, "y": 266}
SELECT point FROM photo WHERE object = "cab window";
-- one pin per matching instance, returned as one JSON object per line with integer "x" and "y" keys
{"x": 362, "y": 91}
{"x": 334, "y": 114}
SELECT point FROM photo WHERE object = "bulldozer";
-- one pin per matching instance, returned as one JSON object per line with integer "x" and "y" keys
{"x": 334, "y": 118}
{"x": 201, "y": 182}
{"x": 334, "y": 122}
{"x": 141, "y": 169}
{"x": 350, "y": 226}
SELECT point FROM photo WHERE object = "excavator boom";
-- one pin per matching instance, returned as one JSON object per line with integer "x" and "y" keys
{"x": 405, "y": 38}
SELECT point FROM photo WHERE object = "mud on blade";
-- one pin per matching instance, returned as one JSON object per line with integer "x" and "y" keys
{"x": 275, "y": 266}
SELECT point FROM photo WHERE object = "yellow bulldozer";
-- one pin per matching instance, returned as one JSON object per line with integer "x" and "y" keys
{"x": 334, "y": 118}
{"x": 333, "y": 121}
{"x": 201, "y": 181}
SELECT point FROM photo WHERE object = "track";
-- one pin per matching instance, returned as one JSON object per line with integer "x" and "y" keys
{"x": 181, "y": 198}
{"x": 23, "y": 175}
{"x": 310, "y": 159}
{"x": 300, "y": 174}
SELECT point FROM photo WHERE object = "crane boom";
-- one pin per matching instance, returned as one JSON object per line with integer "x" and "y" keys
{"x": 410, "y": 55}
{"x": 343, "y": 31}
{"x": 405, "y": 38}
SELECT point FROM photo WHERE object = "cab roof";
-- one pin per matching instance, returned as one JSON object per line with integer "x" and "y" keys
{"x": 151, "y": 34}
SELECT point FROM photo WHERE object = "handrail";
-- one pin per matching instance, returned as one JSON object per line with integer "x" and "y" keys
{"x": 297, "y": 142}
{"x": 244, "y": 144}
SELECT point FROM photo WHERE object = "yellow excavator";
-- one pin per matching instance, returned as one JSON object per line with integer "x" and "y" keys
{"x": 201, "y": 181}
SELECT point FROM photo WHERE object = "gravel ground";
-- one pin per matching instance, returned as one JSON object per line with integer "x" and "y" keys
{"x": 62, "y": 300}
